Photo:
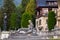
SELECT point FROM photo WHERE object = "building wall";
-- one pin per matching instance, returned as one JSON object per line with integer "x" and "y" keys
{"x": 58, "y": 14}
{"x": 41, "y": 22}
{"x": 58, "y": 17}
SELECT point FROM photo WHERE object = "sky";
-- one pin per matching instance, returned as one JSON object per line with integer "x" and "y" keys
{"x": 17, "y": 2}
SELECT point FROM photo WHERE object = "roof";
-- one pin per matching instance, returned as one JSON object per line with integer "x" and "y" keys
{"x": 42, "y": 3}
{"x": 51, "y": 0}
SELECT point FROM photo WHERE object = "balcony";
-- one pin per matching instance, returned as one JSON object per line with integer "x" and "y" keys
{"x": 45, "y": 15}
{"x": 42, "y": 15}
{"x": 38, "y": 16}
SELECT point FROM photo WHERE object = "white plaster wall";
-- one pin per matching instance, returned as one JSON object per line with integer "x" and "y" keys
{"x": 58, "y": 14}
{"x": 43, "y": 23}
{"x": 43, "y": 19}
{"x": 58, "y": 17}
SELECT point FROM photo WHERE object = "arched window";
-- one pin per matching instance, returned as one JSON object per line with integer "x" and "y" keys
{"x": 39, "y": 22}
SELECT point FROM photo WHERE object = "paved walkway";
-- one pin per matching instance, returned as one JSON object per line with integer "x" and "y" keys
{"x": 18, "y": 36}
{"x": 33, "y": 36}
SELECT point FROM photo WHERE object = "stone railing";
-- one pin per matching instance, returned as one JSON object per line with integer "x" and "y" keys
{"x": 54, "y": 34}
{"x": 40, "y": 35}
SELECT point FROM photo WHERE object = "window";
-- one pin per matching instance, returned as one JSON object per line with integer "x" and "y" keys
{"x": 40, "y": 28}
{"x": 37, "y": 13}
{"x": 49, "y": 3}
{"x": 58, "y": 23}
{"x": 39, "y": 22}
{"x": 46, "y": 21}
{"x": 45, "y": 10}
{"x": 52, "y": 3}
{"x": 55, "y": 3}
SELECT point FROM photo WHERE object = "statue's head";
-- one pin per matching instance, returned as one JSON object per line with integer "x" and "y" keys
{"x": 29, "y": 21}
{"x": 5, "y": 14}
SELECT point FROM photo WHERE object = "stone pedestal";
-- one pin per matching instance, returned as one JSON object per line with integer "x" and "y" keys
{"x": 5, "y": 34}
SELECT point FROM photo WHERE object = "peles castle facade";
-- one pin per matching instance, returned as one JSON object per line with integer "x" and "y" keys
{"x": 43, "y": 7}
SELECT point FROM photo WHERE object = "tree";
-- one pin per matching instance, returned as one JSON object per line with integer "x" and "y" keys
{"x": 8, "y": 8}
{"x": 31, "y": 6}
{"x": 51, "y": 20}
{"x": 25, "y": 17}
{"x": 19, "y": 15}
{"x": 24, "y": 4}
{"x": 13, "y": 22}
{"x": 1, "y": 20}
{"x": 20, "y": 10}
{"x": 31, "y": 9}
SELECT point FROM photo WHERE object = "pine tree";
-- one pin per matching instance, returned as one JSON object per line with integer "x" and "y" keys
{"x": 51, "y": 20}
{"x": 1, "y": 19}
{"x": 13, "y": 22}
{"x": 31, "y": 6}
{"x": 20, "y": 10}
{"x": 8, "y": 8}
{"x": 24, "y": 4}
{"x": 31, "y": 9}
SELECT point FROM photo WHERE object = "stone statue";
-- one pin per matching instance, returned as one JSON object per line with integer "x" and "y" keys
{"x": 31, "y": 28}
{"x": 30, "y": 24}
{"x": 5, "y": 21}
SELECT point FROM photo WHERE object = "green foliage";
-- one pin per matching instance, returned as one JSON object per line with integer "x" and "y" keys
{"x": 51, "y": 20}
{"x": 31, "y": 9}
{"x": 31, "y": 6}
{"x": 8, "y": 7}
{"x": 33, "y": 19}
{"x": 13, "y": 19}
{"x": 20, "y": 10}
{"x": 23, "y": 5}
{"x": 25, "y": 2}
{"x": 25, "y": 17}
{"x": 1, "y": 19}
{"x": 29, "y": 13}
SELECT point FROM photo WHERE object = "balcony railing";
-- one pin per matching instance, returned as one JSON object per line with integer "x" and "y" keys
{"x": 42, "y": 15}
{"x": 46, "y": 14}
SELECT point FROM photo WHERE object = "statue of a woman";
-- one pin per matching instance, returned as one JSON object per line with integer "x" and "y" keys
{"x": 30, "y": 26}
